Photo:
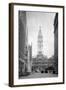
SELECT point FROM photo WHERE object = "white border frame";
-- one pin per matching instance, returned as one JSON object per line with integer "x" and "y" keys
{"x": 60, "y": 46}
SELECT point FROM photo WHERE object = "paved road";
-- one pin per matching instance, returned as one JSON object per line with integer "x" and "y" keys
{"x": 39, "y": 75}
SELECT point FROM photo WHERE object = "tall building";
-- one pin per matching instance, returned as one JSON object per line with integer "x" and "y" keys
{"x": 40, "y": 62}
{"x": 23, "y": 45}
{"x": 22, "y": 33}
{"x": 40, "y": 42}
{"x": 56, "y": 42}
{"x": 40, "y": 45}
{"x": 25, "y": 50}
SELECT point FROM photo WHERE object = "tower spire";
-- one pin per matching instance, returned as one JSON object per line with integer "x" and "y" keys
{"x": 40, "y": 41}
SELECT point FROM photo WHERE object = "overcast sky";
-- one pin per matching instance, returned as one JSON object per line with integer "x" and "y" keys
{"x": 46, "y": 21}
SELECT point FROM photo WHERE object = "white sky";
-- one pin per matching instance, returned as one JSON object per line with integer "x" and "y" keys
{"x": 46, "y": 21}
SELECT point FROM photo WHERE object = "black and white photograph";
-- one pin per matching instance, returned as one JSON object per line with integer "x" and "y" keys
{"x": 36, "y": 44}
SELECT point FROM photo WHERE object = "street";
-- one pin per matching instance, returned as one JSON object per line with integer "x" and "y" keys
{"x": 39, "y": 75}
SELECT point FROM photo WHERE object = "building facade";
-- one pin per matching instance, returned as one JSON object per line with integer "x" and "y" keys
{"x": 23, "y": 47}
{"x": 56, "y": 42}
{"x": 41, "y": 63}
